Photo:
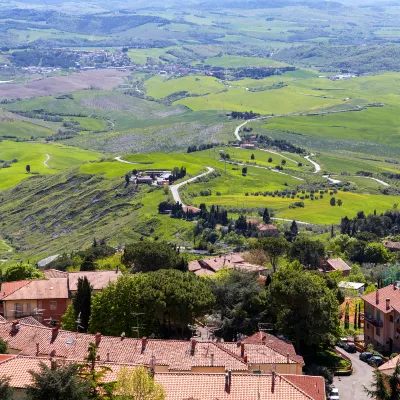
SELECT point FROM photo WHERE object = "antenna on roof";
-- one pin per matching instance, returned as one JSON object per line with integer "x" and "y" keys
{"x": 138, "y": 325}
{"x": 78, "y": 322}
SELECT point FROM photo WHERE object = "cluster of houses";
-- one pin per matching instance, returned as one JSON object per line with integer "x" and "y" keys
{"x": 261, "y": 367}
{"x": 151, "y": 178}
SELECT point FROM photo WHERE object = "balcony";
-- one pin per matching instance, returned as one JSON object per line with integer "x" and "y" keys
{"x": 370, "y": 319}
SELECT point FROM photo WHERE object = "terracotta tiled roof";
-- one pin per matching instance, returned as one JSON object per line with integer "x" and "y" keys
{"x": 55, "y": 288}
{"x": 98, "y": 279}
{"x": 243, "y": 387}
{"x": 8, "y": 288}
{"x": 194, "y": 266}
{"x": 267, "y": 227}
{"x": 30, "y": 321}
{"x": 2, "y": 319}
{"x": 388, "y": 367}
{"x": 191, "y": 208}
{"x": 389, "y": 292}
{"x": 55, "y": 273}
{"x": 338, "y": 264}
{"x": 392, "y": 245}
{"x": 181, "y": 386}
{"x": 266, "y": 349}
{"x": 176, "y": 354}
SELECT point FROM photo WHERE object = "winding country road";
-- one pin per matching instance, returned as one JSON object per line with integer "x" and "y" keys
{"x": 316, "y": 165}
{"x": 175, "y": 188}
{"x": 47, "y": 159}
{"x": 123, "y": 161}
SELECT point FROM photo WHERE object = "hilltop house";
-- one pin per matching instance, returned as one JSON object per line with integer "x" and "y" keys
{"x": 268, "y": 230}
{"x": 335, "y": 264}
{"x": 382, "y": 319}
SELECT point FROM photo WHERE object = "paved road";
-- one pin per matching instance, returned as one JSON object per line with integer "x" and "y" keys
{"x": 352, "y": 387}
{"x": 47, "y": 159}
{"x": 316, "y": 165}
{"x": 175, "y": 188}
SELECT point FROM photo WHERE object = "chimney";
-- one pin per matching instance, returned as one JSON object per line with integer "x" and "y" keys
{"x": 53, "y": 362}
{"x": 273, "y": 382}
{"x": 212, "y": 359}
{"x": 193, "y": 346}
{"x": 242, "y": 350}
{"x": 394, "y": 285}
{"x": 230, "y": 379}
{"x": 15, "y": 325}
{"x": 287, "y": 358}
{"x": 108, "y": 357}
{"x": 54, "y": 332}
{"x": 117, "y": 269}
{"x": 144, "y": 344}
{"x": 227, "y": 387}
{"x": 98, "y": 358}
{"x": 98, "y": 339}
{"x": 387, "y": 303}
{"x": 37, "y": 350}
{"x": 377, "y": 296}
{"x": 245, "y": 359}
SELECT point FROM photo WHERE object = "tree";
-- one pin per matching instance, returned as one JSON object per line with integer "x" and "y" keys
{"x": 266, "y": 216}
{"x": 274, "y": 247}
{"x": 304, "y": 309}
{"x": 385, "y": 387}
{"x": 332, "y": 201}
{"x": 283, "y": 162}
{"x": 6, "y": 393}
{"x": 170, "y": 300}
{"x": 3, "y": 347}
{"x": 68, "y": 320}
{"x": 28, "y": 168}
{"x": 339, "y": 202}
{"x": 270, "y": 160}
{"x": 376, "y": 253}
{"x": 347, "y": 316}
{"x": 239, "y": 302}
{"x": 137, "y": 384}
{"x": 88, "y": 263}
{"x": 308, "y": 252}
{"x": 253, "y": 157}
{"x": 61, "y": 383}
{"x": 359, "y": 316}
{"x": 355, "y": 316}
{"x": 356, "y": 275}
{"x": 294, "y": 230}
{"x": 244, "y": 170}
{"x": 21, "y": 271}
{"x": 149, "y": 256}
{"x": 95, "y": 375}
{"x": 82, "y": 302}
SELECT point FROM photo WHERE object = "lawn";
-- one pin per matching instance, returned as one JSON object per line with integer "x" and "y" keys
{"x": 160, "y": 86}
{"x": 230, "y": 61}
{"x": 24, "y": 130}
{"x": 35, "y": 154}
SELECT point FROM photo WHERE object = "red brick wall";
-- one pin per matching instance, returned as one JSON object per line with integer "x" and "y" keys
{"x": 55, "y": 314}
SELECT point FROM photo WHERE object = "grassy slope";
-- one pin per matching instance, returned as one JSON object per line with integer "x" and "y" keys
{"x": 34, "y": 154}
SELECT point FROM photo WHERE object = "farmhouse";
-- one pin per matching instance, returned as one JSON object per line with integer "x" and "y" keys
{"x": 352, "y": 286}
{"x": 335, "y": 264}
{"x": 268, "y": 230}
{"x": 209, "y": 266}
{"x": 181, "y": 386}
{"x": 392, "y": 246}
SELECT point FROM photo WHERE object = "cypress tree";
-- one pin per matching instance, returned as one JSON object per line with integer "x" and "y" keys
{"x": 266, "y": 216}
{"x": 82, "y": 302}
{"x": 355, "y": 316}
{"x": 359, "y": 316}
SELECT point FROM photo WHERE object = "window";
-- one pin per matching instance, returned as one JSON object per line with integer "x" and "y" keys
{"x": 18, "y": 310}
{"x": 28, "y": 308}
{"x": 53, "y": 305}
{"x": 391, "y": 318}
{"x": 39, "y": 304}
{"x": 367, "y": 325}
{"x": 378, "y": 315}
{"x": 378, "y": 331}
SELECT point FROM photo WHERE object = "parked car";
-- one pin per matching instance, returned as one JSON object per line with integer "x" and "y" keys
{"x": 333, "y": 394}
{"x": 375, "y": 361}
{"x": 350, "y": 347}
{"x": 342, "y": 342}
{"x": 365, "y": 356}
{"x": 334, "y": 397}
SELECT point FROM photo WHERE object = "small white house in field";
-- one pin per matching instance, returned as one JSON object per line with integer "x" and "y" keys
{"x": 356, "y": 286}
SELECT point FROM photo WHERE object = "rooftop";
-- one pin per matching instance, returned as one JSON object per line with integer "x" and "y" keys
{"x": 267, "y": 227}
{"x": 338, "y": 264}
{"x": 391, "y": 292}
{"x": 98, "y": 279}
{"x": 54, "y": 288}
{"x": 351, "y": 285}
{"x": 181, "y": 386}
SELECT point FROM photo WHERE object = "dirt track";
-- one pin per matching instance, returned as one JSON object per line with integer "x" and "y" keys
{"x": 102, "y": 79}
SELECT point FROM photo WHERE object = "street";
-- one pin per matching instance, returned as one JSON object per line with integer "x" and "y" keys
{"x": 352, "y": 387}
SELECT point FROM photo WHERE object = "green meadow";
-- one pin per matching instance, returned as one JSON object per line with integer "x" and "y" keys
{"x": 229, "y": 61}
{"x": 35, "y": 154}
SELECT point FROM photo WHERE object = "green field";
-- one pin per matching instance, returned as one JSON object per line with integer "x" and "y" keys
{"x": 159, "y": 86}
{"x": 228, "y": 61}
{"x": 23, "y": 130}
{"x": 35, "y": 154}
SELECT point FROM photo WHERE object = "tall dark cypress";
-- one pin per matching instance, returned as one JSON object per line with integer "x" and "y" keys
{"x": 82, "y": 302}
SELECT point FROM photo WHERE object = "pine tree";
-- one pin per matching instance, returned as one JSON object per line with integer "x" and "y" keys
{"x": 385, "y": 387}
{"x": 355, "y": 317}
{"x": 266, "y": 216}
{"x": 359, "y": 316}
{"x": 294, "y": 229}
{"x": 82, "y": 302}
{"x": 346, "y": 317}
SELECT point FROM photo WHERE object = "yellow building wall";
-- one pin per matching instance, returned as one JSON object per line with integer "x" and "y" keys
{"x": 292, "y": 369}
{"x": 207, "y": 370}
{"x": 9, "y": 308}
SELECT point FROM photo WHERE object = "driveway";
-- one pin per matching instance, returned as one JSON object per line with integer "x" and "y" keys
{"x": 352, "y": 387}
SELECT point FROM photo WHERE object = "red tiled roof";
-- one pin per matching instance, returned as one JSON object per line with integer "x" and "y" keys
{"x": 267, "y": 227}
{"x": 182, "y": 386}
{"x": 8, "y": 288}
{"x": 338, "y": 264}
{"x": 243, "y": 387}
{"x": 55, "y": 273}
{"x": 191, "y": 208}
{"x": 54, "y": 288}
{"x": 389, "y": 292}
{"x": 30, "y": 321}
{"x": 176, "y": 354}
{"x": 98, "y": 279}
{"x": 392, "y": 245}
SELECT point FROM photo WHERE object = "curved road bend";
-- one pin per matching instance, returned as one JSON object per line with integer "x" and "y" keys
{"x": 46, "y": 160}
{"x": 175, "y": 188}
{"x": 123, "y": 161}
